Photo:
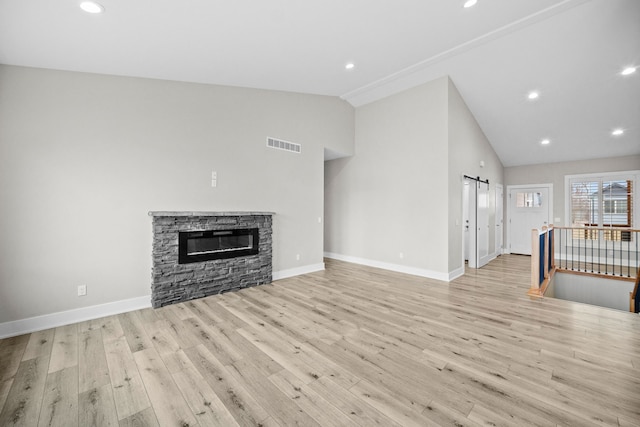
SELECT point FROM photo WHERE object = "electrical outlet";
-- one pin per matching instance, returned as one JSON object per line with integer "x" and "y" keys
{"x": 297, "y": 257}
{"x": 82, "y": 290}
{"x": 401, "y": 255}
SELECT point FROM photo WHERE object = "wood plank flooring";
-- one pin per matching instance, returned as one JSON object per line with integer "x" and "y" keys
{"x": 349, "y": 346}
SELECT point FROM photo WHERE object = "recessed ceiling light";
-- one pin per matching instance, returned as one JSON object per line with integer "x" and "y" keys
{"x": 350, "y": 66}
{"x": 545, "y": 142}
{"x": 628, "y": 70}
{"x": 617, "y": 132}
{"x": 533, "y": 95}
{"x": 469, "y": 3}
{"x": 91, "y": 7}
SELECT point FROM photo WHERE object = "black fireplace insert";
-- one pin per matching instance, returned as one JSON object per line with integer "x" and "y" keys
{"x": 198, "y": 246}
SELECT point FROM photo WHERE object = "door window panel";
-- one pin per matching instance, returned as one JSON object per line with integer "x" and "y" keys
{"x": 528, "y": 200}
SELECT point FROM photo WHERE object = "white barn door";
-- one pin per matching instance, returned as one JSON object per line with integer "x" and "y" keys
{"x": 476, "y": 229}
{"x": 482, "y": 224}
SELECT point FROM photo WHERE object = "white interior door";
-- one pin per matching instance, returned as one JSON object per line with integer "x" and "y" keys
{"x": 499, "y": 219}
{"x": 482, "y": 223}
{"x": 529, "y": 208}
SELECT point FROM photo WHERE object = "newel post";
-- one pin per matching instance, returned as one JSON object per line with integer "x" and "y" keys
{"x": 534, "y": 290}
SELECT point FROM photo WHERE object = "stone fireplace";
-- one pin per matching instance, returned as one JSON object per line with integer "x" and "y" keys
{"x": 196, "y": 254}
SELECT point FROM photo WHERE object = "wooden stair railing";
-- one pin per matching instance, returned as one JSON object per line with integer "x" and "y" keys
{"x": 543, "y": 257}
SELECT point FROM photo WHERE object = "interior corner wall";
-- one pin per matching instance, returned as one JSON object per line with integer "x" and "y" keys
{"x": 467, "y": 147}
{"x": 554, "y": 173}
{"x": 85, "y": 157}
{"x": 384, "y": 205}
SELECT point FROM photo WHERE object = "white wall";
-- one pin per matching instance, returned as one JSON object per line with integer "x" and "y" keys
{"x": 554, "y": 173}
{"x": 390, "y": 197}
{"x": 468, "y": 146}
{"x": 84, "y": 157}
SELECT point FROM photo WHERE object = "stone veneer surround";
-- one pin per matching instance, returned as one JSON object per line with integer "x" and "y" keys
{"x": 173, "y": 282}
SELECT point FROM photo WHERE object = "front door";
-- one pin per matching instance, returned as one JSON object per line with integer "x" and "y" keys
{"x": 529, "y": 208}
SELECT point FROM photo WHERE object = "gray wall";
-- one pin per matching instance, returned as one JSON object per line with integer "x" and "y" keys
{"x": 591, "y": 290}
{"x": 383, "y": 201}
{"x": 402, "y": 191}
{"x": 554, "y": 173}
{"x": 84, "y": 157}
{"x": 467, "y": 147}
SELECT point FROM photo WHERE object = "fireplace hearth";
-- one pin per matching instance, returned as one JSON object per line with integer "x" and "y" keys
{"x": 196, "y": 254}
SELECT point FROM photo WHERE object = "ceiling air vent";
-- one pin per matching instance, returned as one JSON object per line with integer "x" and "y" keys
{"x": 283, "y": 145}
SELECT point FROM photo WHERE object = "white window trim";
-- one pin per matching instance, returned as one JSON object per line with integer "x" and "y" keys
{"x": 634, "y": 174}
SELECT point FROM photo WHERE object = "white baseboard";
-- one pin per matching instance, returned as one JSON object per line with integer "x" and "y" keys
{"x": 305, "y": 269}
{"x": 53, "y": 320}
{"x": 493, "y": 256}
{"x": 47, "y": 321}
{"x": 458, "y": 272}
{"x": 430, "y": 274}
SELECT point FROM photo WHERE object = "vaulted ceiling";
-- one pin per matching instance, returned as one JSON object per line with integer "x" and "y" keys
{"x": 571, "y": 51}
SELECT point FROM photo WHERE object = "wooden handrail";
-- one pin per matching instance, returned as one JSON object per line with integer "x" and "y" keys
{"x": 601, "y": 275}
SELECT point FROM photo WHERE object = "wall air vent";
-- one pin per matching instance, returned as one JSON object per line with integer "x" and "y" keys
{"x": 283, "y": 145}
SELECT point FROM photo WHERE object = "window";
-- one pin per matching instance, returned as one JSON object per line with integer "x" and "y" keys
{"x": 605, "y": 200}
{"x": 616, "y": 207}
{"x": 601, "y": 203}
{"x": 528, "y": 200}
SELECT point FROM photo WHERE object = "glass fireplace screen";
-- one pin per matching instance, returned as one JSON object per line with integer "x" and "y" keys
{"x": 199, "y": 246}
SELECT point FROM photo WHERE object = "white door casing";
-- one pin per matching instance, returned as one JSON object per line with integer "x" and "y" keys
{"x": 499, "y": 219}
{"x": 465, "y": 220}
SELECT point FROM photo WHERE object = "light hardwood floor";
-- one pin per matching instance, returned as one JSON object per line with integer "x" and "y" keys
{"x": 348, "y": 346}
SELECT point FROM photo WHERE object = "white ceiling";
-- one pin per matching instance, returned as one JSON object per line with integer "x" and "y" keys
{"x": 572, "y": 51}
